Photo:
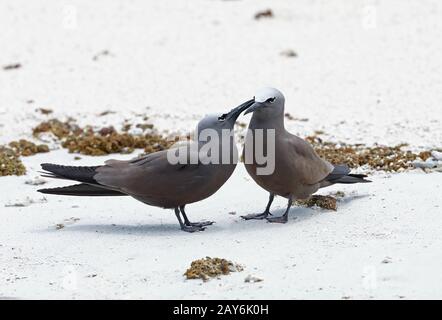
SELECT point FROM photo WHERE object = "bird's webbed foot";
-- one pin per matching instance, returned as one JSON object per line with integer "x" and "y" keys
{"x": 190, "y": 226}
{"x": 192, "y": 229}
{"x": 281, "y": 219}
{"x": 257, "y": 216}
{"x": 199, "y": 224}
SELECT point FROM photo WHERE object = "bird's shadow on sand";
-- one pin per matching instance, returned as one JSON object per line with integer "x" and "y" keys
{"x": 297, "y": 214}
{"x": 126, "y": 229}
{"x": 347, "y": 199}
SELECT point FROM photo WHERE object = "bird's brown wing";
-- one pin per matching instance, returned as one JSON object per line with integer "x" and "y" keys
{"x": 309, "y": 167}
{"x": 150, "y": 175}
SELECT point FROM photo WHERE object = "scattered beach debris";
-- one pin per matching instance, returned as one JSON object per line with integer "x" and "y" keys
{"x": 12, "y": 66}
{"x": 25, "y": 202}
{"x": 251, "y": 278}
{"x": 66, "y": 222}
{"x": 58, "y": 128}
{"x": 387, "y": 260}
{"x": 289, "y": 53}
{"x": 102, "y": 141}
{"x": 288, "y": 116}
{"x": 101, "y": 54}
{"x": 241, "y": 124}
{"x": 36, "y": 181}
{"x": 10, "y": 163}
{"x": 106, "y": 142}
{"x": 338, "y": 194}
{"x": 268, "y": 13}
{"x": 144, "y": 126}
{"x": 105, "y": 113}
{"x": 126, "y": 127}
{"x": 377, "y": 157}
{"x": 27, "y": 148}
{"x": 324, "y": 202}
{"x": 45, "y": 111}
{"x": 208, "y": 267}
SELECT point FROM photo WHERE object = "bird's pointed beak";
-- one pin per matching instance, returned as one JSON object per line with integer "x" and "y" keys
{"x": 235, "y": 112}
{"x": 253, "y": 107}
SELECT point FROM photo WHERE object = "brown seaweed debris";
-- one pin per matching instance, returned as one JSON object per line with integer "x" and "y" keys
{"x": 377, "y": 157}
{"x": 97, "y": 142}
{"x": 268, "y": 13}
{"x": 210, "y": 268}
{"x": 12, "y": 66}
{"x": 44, "y": 111}
{"x": 324, "y": 202}
{"x": 288, "y": 116}
{"x": 57, "y": 128}
{"x": 109, "y": 141}
{"x": 289, "y": 53}
{"x": 10, "y": 163}
{"x": 27, "y": 148}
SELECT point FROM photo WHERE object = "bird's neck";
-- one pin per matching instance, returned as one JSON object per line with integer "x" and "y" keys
{"x": 264, "y": 122}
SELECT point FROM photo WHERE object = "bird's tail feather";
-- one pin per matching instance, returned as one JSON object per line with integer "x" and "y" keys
{"x": 82, "y": 189}
{"x": 81, "y": 174}
{"x": 341, "y": 174}
{"x": 352, "y": 178}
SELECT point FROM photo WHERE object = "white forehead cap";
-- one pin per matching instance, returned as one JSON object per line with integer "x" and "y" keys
{"x": 265, "y": 93}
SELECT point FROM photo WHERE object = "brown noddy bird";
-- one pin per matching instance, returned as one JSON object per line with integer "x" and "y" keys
{"x": 154, "y": 179}
{"x": 298, "y": 170}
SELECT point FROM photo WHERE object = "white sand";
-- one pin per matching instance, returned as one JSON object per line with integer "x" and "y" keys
{"x": 365, "y": 72}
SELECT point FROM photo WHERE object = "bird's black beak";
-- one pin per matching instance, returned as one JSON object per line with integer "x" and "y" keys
{"x": 253, "y": 107}
{"x": 235, "y": 112}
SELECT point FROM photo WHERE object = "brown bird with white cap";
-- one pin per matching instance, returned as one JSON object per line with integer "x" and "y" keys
{"x": 298, "y": 171}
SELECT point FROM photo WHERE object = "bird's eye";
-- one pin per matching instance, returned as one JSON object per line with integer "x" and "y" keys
{"x": 271, "y": 100}
{"x": 222, "y": 117}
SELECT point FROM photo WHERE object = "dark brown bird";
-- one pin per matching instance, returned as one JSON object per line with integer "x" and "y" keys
{"x": 153, "y": 179}
{"x": 298, "y": 170}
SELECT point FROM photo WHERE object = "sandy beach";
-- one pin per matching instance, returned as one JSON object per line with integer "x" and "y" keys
{"x": 359, "y": 72}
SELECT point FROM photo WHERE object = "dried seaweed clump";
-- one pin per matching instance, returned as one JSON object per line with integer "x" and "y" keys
{"x": 356, "y": 155}
{"x": 90, "y": 141}
{"x": 10, "y": 163}
{"x": 108, "y": 140}
{"x": 27, "y": 148}
{"x": 324, "y": 202}
{"x": 211, "y": 267}
{"x": 58, "y": 128}
{"x": 268, "y": 13}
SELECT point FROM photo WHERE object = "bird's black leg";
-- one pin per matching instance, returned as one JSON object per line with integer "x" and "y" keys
{"x": 183, "y": 226}
{"x": 263, "y": 215}
{"x": 195, "y": 224}
{"x": 284, "y": 217}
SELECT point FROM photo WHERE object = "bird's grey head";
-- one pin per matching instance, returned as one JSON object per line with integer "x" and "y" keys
{"x": 268, "y": 102}
{"x": 227, "y": 120}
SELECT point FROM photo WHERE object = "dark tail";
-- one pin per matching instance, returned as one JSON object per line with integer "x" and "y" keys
{"x": 81, "y": 174}
{"x": 88, "y": 187}
{"x": 341, "y": 174}
{"x": 82, "y": 189}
